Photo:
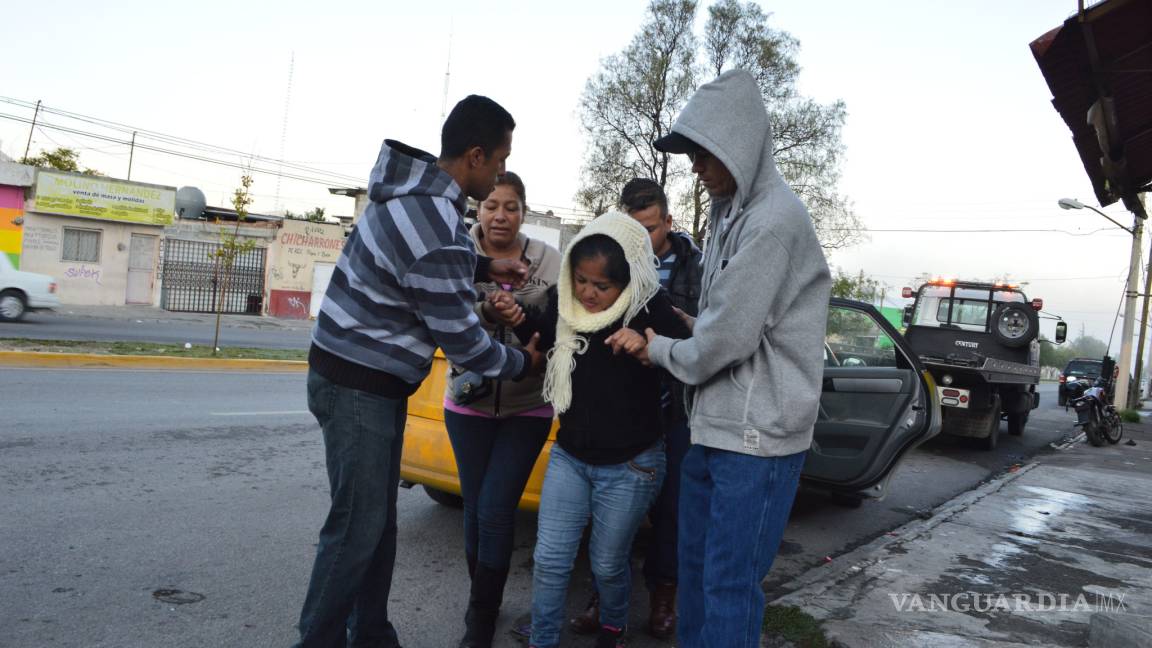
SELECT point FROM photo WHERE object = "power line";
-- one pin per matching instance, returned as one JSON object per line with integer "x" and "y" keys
{"x": 170, "y": 140}
{"x": 190, "y": 156}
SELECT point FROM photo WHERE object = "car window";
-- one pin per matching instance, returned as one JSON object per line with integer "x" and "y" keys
{"x": 854, "y": 339}
{"x": 968, "y": 314}
{"x": 1082, "y": 368}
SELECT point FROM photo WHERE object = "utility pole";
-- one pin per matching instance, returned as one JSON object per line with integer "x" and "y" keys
{"x": 35, "y": 114}
{"x": 1143, "y": 320}
{"x": 131, "y": 151}
{"x": 1125, "y": 360}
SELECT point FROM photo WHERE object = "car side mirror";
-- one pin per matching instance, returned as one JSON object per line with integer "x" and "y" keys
{"x": 1061, "y": 332}
{"x": 907, "y": 316}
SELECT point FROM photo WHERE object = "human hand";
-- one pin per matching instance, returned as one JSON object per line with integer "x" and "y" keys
{"x": 629, "y": 342}
{"x": 689, "y": 321}
{"x": 508, "y": 271}
{"x": 539, "y": 359}
{"x": 501, "y": 307}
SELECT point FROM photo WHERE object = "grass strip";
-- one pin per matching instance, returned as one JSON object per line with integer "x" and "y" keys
{"x": 147, "y": 348}
{"x": 795, "y": 626}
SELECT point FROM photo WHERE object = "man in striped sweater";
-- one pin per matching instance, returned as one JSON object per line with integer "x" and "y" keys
{"x": 403, "y": 287}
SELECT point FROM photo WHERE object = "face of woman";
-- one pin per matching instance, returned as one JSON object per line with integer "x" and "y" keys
{"x": 500, "y": 216}
{"x": 591, "y": 285}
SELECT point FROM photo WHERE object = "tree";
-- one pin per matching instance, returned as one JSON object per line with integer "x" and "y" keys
{"x": 858, "y": 286}
{"x": 314, "y": 215}
{"x": 636, "y": 95}
{"x": 633, "y": 100}
{"x": 61, "y": 159}
{"x": 231, "y": 248}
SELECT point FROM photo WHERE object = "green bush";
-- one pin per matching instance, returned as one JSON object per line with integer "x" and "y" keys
{"x": 1129, "y": 416}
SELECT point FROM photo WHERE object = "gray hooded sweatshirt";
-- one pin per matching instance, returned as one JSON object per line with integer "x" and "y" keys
{"x": 756, "y": 354}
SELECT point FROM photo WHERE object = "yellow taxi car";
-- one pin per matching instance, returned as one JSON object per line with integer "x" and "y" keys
{"x": 877, "y": 402}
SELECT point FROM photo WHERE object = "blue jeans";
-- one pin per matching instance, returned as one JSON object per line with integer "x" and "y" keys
{"x": 347, "y": 599}
{"x": 494, "y": 459}
{"x": 660, "y": 558}
{"x": 616, "y": 497}
{"x": 733, "y": 510}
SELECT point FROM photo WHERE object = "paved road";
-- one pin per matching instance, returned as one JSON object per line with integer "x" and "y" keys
{"x": 145, "y": 324}
{"x": 116, "y": 485}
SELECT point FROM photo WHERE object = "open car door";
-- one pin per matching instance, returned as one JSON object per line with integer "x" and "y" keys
{"x": 877, "y": 402}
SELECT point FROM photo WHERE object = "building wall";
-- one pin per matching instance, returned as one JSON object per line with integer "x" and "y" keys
{"x": 299, "y": 246}
{"x": 103, "y": 282}
{"x": 11, "y": 231}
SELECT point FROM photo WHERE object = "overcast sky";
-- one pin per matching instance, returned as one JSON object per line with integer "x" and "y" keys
{"x": 950, "y": 124}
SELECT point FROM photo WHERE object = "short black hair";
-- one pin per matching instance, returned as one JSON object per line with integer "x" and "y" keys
{"x": 602, "y": 245}
{"x": 475, "y": 121}
{"x": 641, "y": 193}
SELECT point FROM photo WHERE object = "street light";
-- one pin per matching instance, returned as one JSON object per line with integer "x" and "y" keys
{"x": 1125, "y": 362}
{"x": 1072, "y": 203}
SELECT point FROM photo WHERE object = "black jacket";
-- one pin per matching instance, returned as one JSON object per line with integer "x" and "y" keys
{"x": 684, "y": 281}
{"x": 684, "y": 289}
{"x": 615, "y": 409}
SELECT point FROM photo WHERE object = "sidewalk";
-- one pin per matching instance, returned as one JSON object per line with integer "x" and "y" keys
{"x": 1057, "y": 553}
{"x": 151, "y": 314}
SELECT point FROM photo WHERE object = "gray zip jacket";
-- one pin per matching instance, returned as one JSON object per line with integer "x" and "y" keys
{"x": 756, "y": 353}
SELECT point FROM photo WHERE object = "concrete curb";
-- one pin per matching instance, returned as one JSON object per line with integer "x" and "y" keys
{"x": 824, "y": 577}
{"x": 144, "y": 362}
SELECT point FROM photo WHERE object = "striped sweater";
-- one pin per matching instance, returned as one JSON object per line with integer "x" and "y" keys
{"x": 404, "y": 286}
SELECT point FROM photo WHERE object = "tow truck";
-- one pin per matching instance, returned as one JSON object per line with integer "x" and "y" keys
{"x": 981, "y": 343}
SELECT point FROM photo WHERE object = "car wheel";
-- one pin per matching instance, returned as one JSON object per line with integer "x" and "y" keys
{"x": 12, "y": 306}
{"x": 443, "y": 498}
{"x": 1016, "y": 423}
{"x": 1015, "y": 325}
{"x": 1061, "y": 399}
{"x": 993, "y": 420}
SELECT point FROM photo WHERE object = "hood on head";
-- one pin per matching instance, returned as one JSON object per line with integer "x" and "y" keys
{"x": 637, "y": 246}
{"x": 403, "y": 170}
{"x": 727, "y": 118}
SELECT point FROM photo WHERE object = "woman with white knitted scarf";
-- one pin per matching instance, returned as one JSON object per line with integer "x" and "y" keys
{"x": 608, "y": 460}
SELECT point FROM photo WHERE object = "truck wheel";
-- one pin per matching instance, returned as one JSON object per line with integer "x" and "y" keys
{"x": 12, "y": 306}
{"x": 442, "y": 498}
{"x": 1015, "y": 325}
{"x": 1016, "y": 423}
{"x": 993, "y": 421}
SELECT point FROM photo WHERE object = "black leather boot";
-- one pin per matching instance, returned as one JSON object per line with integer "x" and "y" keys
{"x": 483, "y": 606}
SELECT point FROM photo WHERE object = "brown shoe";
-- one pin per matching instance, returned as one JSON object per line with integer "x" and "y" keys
{"x": 662, "y": 613}
{"x": 588, "y": 621}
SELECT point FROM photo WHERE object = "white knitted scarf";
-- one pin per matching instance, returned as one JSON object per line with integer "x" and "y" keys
{"x": 574, "y": 319}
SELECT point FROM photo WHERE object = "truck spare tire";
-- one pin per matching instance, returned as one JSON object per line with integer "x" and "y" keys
{"x": 1015, "y": 325}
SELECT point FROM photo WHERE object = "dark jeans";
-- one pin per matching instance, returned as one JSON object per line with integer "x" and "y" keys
{"x": 347, "y": 599}
{"x": 660, "y": 558}
{"x": 494, "y": 459}
{"x": 733, "y": 510}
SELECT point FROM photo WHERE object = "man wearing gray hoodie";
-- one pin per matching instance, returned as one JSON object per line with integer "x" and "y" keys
{"x": 754, "y": 361}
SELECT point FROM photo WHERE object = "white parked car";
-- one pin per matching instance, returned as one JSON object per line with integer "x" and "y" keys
{"x": 22, "y": 291}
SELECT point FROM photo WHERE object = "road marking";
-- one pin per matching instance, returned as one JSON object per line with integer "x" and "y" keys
{"x": 280, "y": 413}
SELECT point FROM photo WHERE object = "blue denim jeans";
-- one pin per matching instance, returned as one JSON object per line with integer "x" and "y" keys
{"x": 347, "y": 599}
{"x": 733, "y": 511}
{"x": 494, "y": 459}
{"x": 660, "y": 557}
{"x": 616, "y": 497}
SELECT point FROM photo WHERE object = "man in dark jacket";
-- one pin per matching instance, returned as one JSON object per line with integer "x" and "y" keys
{"x": 680, "y": 270}
{"x": 403, "y": 287}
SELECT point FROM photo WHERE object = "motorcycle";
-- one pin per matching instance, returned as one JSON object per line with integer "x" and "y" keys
{"x": 1094, "y": 413}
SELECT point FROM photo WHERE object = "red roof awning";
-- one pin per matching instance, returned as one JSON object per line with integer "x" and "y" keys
{"x": 1098, "y": 65}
